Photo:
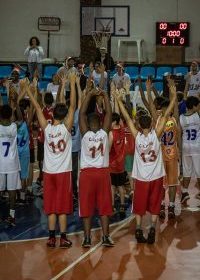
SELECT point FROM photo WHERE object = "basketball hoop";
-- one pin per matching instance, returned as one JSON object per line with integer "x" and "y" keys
{"x": 101, "y": 40}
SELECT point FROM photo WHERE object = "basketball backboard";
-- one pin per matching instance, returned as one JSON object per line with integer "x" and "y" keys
{"x": 114, "y": 19}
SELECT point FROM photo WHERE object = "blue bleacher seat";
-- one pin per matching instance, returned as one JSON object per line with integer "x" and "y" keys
{"x": 146, "y": 71}
{"x": 49, "y": 71}
{"x": 180, "y": 70}
{"x": 133, "y": 71}
{"x": 5, "y": 71}
{"x": 23, "y": 72}
{"x": 161, "y": 71}
{"x": 158, "y": 86}
{"x": 43, "y": 85}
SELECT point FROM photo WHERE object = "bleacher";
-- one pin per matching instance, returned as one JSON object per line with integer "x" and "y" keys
{"x": 156, "y": 72}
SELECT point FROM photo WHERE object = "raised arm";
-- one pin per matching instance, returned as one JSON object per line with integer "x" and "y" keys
{"x": 108, "y": 112}
{"x": 83, "y": 124}
{"x": 152, "y": 108}
{"x": 69, "y": 120}
{"x": 102, "y": 79}
{"x": 126, "y": 116}
{"x": 41, "y": 118}
{"x": 80, "y": 94}
{"x": 61, "y": 91}
{"x": 144, "y": 100}
{"x": 169, "y": 110}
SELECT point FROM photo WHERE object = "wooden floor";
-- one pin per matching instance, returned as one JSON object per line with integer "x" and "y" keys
{"x": 175, "y": 255}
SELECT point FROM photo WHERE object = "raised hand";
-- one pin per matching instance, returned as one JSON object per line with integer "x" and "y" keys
{"x": 148, "y": 84}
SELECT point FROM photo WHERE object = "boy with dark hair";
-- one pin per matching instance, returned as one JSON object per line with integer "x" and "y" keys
{"x": 57, "y": 164}
{"x": 48, "y": 114}
{"x": 94, "y": 181}
{"x": 148, "y": 168}
{"x": 190, "y": 126}
{"x": 9, "y": 159}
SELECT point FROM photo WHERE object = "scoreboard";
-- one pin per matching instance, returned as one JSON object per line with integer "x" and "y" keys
{"x": 172, "y": 33}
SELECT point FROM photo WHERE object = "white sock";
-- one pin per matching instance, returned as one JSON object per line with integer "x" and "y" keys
{"x": 184, "y": 190}
{"x": 12, "y": 213}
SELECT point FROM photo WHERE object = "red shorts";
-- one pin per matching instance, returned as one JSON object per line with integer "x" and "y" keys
{"x": 95, "y": 192}
{"x": 58, "y": 198}
{"x": 148, "y": 197}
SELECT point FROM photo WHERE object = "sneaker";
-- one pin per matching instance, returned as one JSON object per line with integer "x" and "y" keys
{"x": 162, "y": 212}
{"x": 184, "y": 197}
{"x": 139, "y": 236}
{"x": 86, "y": 242}
{"x": 51, "y": 242}
{"x": 107, "y": 241}
{"x": 151, "y": 236}
{"x": 171, "y": 214}
{"x": 65, "y": 243}
{"x": 11, "y": 221}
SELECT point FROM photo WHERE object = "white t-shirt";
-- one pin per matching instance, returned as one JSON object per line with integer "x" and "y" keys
{"x": 194, "y": 85}
{"x": 191, "y": 134}
{"x": 97, "y": 77}
{"x": 57, "y": 149}
{"x": 148, "y": 162}
{"x": 53, "y": 89}
{"x": 9, "y": 159}
{"x": 120, "y": 80}
{"x": 35, "y": 54}
{"x": 95, "y": 149}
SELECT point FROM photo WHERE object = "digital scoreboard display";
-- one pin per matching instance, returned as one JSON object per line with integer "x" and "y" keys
{"x": 172, "y": 33}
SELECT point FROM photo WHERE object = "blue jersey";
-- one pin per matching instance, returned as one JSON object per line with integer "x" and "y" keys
{"x": 75, "y": 132}
{"x": 23, "y": 139}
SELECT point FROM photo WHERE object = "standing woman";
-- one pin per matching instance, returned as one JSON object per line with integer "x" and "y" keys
{"x": 35, "y": 54}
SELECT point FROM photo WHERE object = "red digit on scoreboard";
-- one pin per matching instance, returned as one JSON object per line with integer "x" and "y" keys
{"x": 163, "y": 26}
{"x": 164, "y": 41}
{"x": 183, "y": 26}
{"x": 182, "y": 41}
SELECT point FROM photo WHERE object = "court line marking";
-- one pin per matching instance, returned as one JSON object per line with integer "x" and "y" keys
{"x": 82, "y": 257}
{"x": 45, "y": 237}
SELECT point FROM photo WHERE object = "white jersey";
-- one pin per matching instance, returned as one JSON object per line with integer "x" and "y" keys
{"x": 148, "y": 162}
{"x": 95, "y": 149}
{"x": 191, "y": 134}
{"x": 194, "y": 85}
{"x": 9, "y": 160}
{"x": 57, "y": 149}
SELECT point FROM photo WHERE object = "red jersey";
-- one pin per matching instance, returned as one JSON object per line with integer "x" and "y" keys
{"x": 117, "y": 152}
{"x": 48, "y": 114}
{"x": 129, "y": 141}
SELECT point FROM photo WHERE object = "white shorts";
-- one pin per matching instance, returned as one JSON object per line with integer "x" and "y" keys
{"x": 10, "y": 181}
{"x": 191, "y": 166}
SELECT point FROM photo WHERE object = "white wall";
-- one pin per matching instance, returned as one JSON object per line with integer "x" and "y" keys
{"x": 144, "y": 14}
{"x": 18, "y": 22}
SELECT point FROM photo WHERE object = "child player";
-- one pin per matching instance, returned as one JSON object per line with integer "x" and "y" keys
{"x": 148, "y": 168}
{"x": 94, "y": 183}
{"x": 57, "y": 164}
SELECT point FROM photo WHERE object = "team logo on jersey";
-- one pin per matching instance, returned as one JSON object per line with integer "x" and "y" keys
{"x": 169, "y": 124}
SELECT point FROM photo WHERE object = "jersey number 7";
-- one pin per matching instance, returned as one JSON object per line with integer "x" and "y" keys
{"x": 7, "y": 145}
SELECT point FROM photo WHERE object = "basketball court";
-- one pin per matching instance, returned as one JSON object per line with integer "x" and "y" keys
{"x": 176, "y": 251}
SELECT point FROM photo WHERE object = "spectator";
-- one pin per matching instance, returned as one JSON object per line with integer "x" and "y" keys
{"x": 192, "y": 87}
{"x": 120, "y": 78}
{"x": 35, "y": 53}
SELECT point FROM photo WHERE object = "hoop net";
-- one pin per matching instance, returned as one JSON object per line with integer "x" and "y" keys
{"x": 101, "y": 39}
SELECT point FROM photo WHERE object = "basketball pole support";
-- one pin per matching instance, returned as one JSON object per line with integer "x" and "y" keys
{"x": 48, "y": 43}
